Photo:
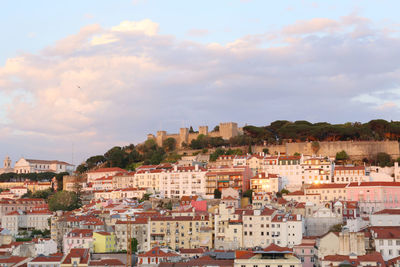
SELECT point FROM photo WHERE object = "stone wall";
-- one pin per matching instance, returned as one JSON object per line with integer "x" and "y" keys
{"x": 357, "y": 150}
{"x": 226, "y": 131}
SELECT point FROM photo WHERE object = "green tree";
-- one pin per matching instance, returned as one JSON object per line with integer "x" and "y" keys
{"x": 134, "y": 245}
{"x": 266, "y": 151}
{"x": 336, "y": 228}
{"x": 64, "y": 200}
{"x": 383, "y": 159}
{"x": 249, "y": 194}
{"x": 44, "y": 194}
{"x": 217, "y": 194}
{"x": 218, "y": 152}
{"x": 191, "y": 129}
{"x": 168, "y": 205}
{"x": 59, "y": 179}
{"x": 82, "y": 168}
{"x": 342, "y": 155}
{"x": 284, "y": 191}
{"x": 169, "y": 144}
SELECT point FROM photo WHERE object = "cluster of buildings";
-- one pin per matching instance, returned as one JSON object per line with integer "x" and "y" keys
{"x": 200, "y": 213}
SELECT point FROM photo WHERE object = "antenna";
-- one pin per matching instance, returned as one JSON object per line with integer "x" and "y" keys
{"x": 72, "y": 154}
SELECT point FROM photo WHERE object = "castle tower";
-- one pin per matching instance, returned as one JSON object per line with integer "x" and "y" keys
{"x": 228, "y": 130}
{"x": 183, "y": 136}
{"x": 203, "y": 130}
{"x": 7, "y": 163}
{"x": 161, "y": 135}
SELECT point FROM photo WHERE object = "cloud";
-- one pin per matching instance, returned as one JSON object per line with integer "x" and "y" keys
{"x": 197, "y": 32}
{"x": 310, "y": 26}
{"x": 145, "y": 26}
{"x": 104, "y": 87}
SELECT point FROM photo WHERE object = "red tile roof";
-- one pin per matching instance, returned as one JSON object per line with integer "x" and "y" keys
{"x": 50, "y": 258}
{"x": 81, "y": 253}
{"x": 356, "y": 261}
{"x": 157, "y": 252}
{"x": 106, "y": 262}
{"x": 374, "y": 184}
{"x": 389, "y": 212}
{"x": 108, "y": 170}
{"x": 327, "y": 186}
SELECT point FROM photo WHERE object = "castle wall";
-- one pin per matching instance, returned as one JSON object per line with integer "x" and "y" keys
{"x": 356, "y": 150}
{"x": 192, "y": 136}
{"x": 214, "y": 134}
{"x": 228, "y": 130}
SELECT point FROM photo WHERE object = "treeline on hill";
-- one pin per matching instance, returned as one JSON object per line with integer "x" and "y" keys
{"x": 300, "y": 131}
{"x": 19, "y": 177}
{"x": 129, "y": 157}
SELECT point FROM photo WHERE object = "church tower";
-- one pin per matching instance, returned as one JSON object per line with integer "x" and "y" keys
{"x": 7, "y": 163}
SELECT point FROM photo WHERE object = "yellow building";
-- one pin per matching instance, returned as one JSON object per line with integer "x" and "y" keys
{"x": 103, "y": 242}
{"x": 182, "y": 231}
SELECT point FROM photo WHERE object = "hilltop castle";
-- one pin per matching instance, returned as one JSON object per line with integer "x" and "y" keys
{"x": 226, "y": 131}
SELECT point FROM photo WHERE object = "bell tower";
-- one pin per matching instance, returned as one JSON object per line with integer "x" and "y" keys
{"x": 7, "y": 163}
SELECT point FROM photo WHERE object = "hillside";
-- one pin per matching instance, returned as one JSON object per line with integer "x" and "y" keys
{"x": 278, "y": 132}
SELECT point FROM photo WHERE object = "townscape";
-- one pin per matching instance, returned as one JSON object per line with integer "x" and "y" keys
{"x": 254, "y": 207}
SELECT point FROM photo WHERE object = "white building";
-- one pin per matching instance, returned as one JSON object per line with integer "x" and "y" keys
{"x": 45, "y": 246}
{"x": 347, "y": 174}
{"x": 386, "y": 217}
{"x": 387, "y": 241}
{"x": 103, "y": 172}
{"x": 37, "y": 166}
{"x": 36, "y": 219}
{"x": 173, "y": 183}
{"x": 265, "y": 227}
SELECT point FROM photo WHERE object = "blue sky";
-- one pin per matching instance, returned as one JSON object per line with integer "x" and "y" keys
{"x": 36, "y": 24}
{"x": 99, "y": 73}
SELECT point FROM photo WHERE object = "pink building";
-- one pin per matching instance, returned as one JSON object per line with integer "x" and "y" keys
{"x": 78, "y": 238}
{"x": 306, "y": 252}
{"x": 374, "y": 196}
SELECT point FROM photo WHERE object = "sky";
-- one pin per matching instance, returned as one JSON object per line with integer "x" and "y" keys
{"x": 79, "y": 77}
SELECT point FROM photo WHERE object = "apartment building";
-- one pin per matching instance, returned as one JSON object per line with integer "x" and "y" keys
{"x": 24, "y": 204}
{"x": 123, "y": 180}
{"x": 349, "y": 174}
{"x": 182, "y": 231}
{"x": 328, "y": 192}
{"x": 386, "y": 240}
{"x": 272, "y": 255}
{"x": 237, "y": 178}
{"x": 267, "y": 226}
{"x": 26, "y": 220}
{"x": 228, "y": 228}
{"x": 139, "y": 228}
{"x": 78, "y": 238}
{"x": 103, "y": 172}
{"x": 182, "y": 181}
{"x": 263, "y": 182}
{"x": 374, "y": 196}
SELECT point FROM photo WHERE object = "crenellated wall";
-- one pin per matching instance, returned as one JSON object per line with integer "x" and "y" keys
{"x": 226, "y": 131}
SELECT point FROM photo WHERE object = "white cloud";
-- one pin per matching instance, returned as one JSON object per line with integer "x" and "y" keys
{"x": 103, "y": 95}
{"x": 145, "y": 26}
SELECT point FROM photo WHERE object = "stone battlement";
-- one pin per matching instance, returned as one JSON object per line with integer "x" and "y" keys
{"x": 226, "y": 131}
